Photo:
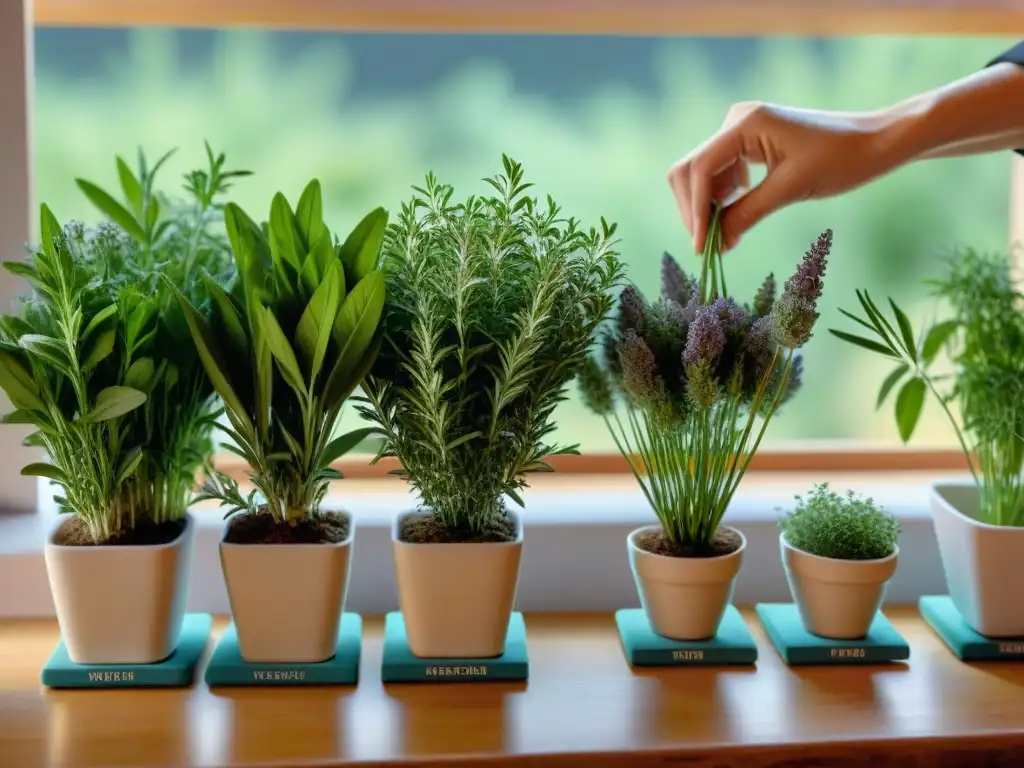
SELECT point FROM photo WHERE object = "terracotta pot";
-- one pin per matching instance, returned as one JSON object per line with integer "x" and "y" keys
{"x": 838, "y": 599}
{"x": 456, "y": 599}
{"x": 121, "y": 604}
{"x": 287, "y": 599}
{"x": 984, "y": 564}
{"x": 684, "y": 597}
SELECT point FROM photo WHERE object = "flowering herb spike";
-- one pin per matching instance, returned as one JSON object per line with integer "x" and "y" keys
{"x": 700, "y": 377}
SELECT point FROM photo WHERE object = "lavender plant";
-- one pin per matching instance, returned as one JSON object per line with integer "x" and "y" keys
{"x": 701, "y": 376}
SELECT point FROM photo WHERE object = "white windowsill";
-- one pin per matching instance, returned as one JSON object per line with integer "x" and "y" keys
{"x": 574, "y": 558}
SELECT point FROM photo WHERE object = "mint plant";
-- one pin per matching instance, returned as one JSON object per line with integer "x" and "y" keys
{"x": 94, "y": 360}
{"x": 848, "y": 527}
{"x": 493, "y": 304}
{"x": 286, "y": 344}
{"x": 700, "y": 377}
{"x": 984, "y": 334}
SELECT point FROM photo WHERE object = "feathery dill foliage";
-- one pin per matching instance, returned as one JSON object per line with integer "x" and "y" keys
{"x": 984, "y": 335}
{"x": 846, "y": 527}
{"x": 97, "y": 357}
{"x": 285, "y": 346}
{"x": 696, "y": 371}
{"x": 493, "y": 303}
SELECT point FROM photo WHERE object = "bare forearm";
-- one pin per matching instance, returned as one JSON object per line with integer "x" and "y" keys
{"x": 980, "y": 113}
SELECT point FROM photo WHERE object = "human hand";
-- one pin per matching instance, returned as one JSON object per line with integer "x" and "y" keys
{"x": 809, "y": 154}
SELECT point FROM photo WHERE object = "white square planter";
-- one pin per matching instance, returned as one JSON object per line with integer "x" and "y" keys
{"x": 287, "y": 599}
{"x": 120, "y": 604}
{"x": 456, "y": 599}
{"x": 984, "y": 564}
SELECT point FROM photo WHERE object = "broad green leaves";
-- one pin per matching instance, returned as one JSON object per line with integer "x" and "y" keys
{"x": 116, "y": 401}
{"x": 314, "y": 330}
{"x": 361, "y": 248}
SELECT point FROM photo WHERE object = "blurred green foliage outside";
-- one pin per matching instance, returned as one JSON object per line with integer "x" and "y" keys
{"x": 596, "y": 122}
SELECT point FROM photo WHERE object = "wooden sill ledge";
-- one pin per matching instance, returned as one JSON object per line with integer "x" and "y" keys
{"x": 582, "y": 706}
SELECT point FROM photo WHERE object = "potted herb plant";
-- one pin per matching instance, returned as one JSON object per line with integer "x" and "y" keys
{"x": 92, "y": 361}
{"x": 493, "y": 303}
{"x": 839, "y": 553}
{"x": 286, "y": 345}
{"x": 979, "y": 525}
{"x": 697, "y": 371}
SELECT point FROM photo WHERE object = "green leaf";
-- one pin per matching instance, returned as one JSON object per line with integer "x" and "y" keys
{"x": 226, "y": 316}
{"x": 909, "y": 403}
{"x": 906, "y": 330}
{"x": 24, "y": 417}
{"x": 309, "y": 214}
{"x": 40, "y": 469}
{"x": 252, "y": 252}
{"x": 339, "y": 446}
{"x": 464, "y": 439}
{"x": 129, "y": 464}
{"x": 212, "y": 359}
{"x": 22, "y": 269}
{"x": 112, "y": 209}
{"x": 514, "y": 495}
{"x": 51, "y": 232}
{"x": 343, "y": 381}
{"x": 264, "y": 382}
{"x": 890, "y": 382}
{"x": 358, "y": 318}
{"x": 284, "y": 248}
{"x": 327, "y": 473}
{"x": 361, "y": 248}
{"x": 314, "y": 330}
{"x": 97, "y": 319}
{"x": 140, "y": 374}
{"x": 936, "y": 338}
{"x": 115, "y": 401}
{"x": 860, "y": 341}
{"x": 47, "y": 348}
{"x": 282, "y": 352}
{"x": 131, "y": 187}
{"x": 101, "y": 349}
{"x": 18, "y": 384}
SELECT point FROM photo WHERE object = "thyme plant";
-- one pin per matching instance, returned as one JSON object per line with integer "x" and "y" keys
{"x": 701, "y": 376}
{"x": 493, "y": 303}
{"x": 287, "y": 343}
{"x": 847, "y": 527}
{"x": 93, "y": 358}
{"x": 984, "y": 334}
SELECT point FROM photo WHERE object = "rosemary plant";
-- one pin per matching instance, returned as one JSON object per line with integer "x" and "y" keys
{"x": 847, "y": 527}
{"x": 697, "y": 372}
{"x": 985, "y": 336}
{"x": 91, "y": 361}
{"x": 287, "y": 344}
{"x": 493, "y": 304}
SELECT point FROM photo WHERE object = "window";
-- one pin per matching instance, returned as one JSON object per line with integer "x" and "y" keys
{"x": 596, "y": 119}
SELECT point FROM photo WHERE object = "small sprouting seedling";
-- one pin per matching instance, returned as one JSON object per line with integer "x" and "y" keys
{"x": 847, "y": 527}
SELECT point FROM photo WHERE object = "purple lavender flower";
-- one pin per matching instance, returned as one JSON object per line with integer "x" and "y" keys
{"x": 765, "y": 297}
{"x": 731, "y": 315}
{"x": 795, "y": 313}
{"x": 595, "y": 388}
{"x": 675, "y": 283}
{"x": 631, "y": 310}
{"x": 758, "y": 350}
{"x": 639, "y": 369}
{"x": 705, "y": 339}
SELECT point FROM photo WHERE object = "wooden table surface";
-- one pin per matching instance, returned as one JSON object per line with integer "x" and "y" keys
{"x": 583, "y": 706}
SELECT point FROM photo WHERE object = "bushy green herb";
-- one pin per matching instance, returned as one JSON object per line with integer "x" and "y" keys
{"x": 696, "y": 371}
{"x": 95, "y": 361}
{"x": 985, "y": 337}
{"x": 287, "y": 344}
{"x": 493, "y": 303}
{"x": 841, "y": 527}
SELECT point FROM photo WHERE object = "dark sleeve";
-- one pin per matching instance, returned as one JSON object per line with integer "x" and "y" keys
{"x": 1013, "y": 56}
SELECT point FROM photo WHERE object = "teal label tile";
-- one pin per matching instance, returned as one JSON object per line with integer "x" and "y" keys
{"x": 644, "y": 648}
{"x": 176, "y": 671}
{"x": 796, "y": 645}
{"x": 399, "y": 665}
{"x": 228, "y": 668}
{"x": 942, "y": 616}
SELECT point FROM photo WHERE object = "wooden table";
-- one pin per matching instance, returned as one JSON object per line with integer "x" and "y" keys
{"x": 583, "y": 706}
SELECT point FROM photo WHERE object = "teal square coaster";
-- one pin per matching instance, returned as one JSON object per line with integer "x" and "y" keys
{"x": 227, "y": 667}
{"x": 399, "y": 665}
{"x": 644, "y": 648}
{"x": 176, "y": 671}
{"x": 964, "y": 642}
{"x": 796, "y": 645}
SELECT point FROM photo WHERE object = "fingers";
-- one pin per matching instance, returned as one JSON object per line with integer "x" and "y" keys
{"x": 773, "y": 193}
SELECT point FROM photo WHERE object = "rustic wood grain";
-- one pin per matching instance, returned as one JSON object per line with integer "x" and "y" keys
{"x": 583, "y": 706}
{"x": 635, "y": 17}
